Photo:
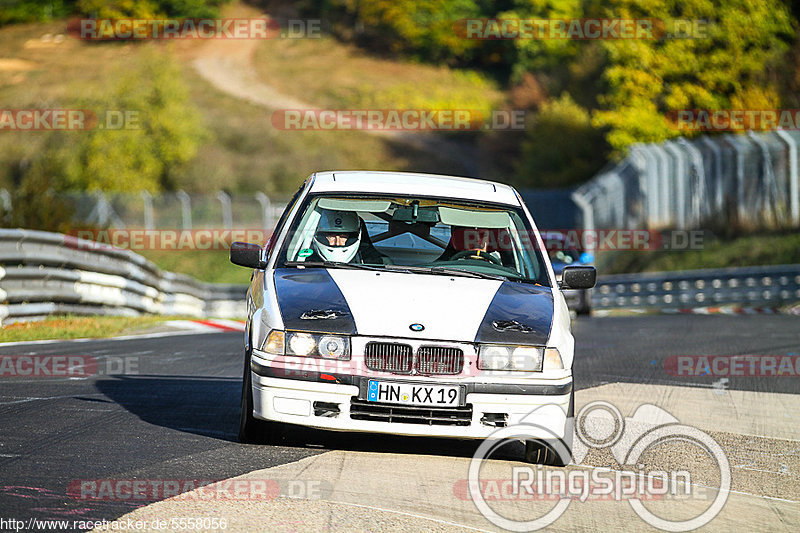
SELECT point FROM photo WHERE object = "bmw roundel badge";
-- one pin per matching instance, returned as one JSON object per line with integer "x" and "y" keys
{"x": 416, "y": 327}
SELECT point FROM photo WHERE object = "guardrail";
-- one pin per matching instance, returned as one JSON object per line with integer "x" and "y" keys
{"x": 751, "y": 181}
{"x": 43, "y": 273}
{"x": 765, "y": 286}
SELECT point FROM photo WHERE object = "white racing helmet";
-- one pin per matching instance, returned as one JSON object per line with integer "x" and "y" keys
{"x": 337, "y": 223}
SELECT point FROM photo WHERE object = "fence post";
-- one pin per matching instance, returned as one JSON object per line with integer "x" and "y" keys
{"x": 5, "y": 197}
{"x": 603, "y": 208}
{"x": 650, "y": 167}
{"x": 680, "y": 182}
{"x": 697, "y": 187}
{"x": 186, "y": 209}
{"x": 266, "y": 208}
{"x": 663, "y": 183}
{"x": 147, "y": 198}
{"x": 587, "y": 212}
{"x": 794, "y": 190}
{"x": 715, "y": 149}
{"x": 102, "y": 214}
{"x": 227, "y": 213}
{"x": 769, "y": 187}
{"x": 740, "y": 207}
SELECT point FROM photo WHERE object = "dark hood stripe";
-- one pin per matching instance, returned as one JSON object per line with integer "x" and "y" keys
{"x": 530, "y": 306}
{"x": 312, "y": 291}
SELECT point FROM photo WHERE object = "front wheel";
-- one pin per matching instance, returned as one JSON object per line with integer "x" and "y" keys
{"x": 251, "y": 429}
{"x": 557, "y": 452}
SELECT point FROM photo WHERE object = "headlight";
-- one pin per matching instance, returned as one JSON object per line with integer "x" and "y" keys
{"x": 317, "y": 345}
{"x": 333, "y": 347}
{"x": 301, "y": 344}
{"x": 509, "y": 357}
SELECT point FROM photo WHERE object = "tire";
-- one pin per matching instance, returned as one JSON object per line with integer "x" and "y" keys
{"x": 544, "y": 452}
{"x": 251, "y": 429}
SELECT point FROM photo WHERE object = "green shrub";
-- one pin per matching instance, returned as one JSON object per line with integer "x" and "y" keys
{"x": 562, "y": 148}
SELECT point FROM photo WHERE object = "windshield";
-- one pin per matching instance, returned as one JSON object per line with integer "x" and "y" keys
{"x": 414, "y": 234}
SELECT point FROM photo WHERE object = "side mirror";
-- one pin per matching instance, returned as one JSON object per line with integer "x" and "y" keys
{"x": 247, "y": 255}
{"x": 578, "y": 277}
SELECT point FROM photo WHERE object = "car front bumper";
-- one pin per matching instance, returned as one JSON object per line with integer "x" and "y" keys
{"x": 341, "y": 406}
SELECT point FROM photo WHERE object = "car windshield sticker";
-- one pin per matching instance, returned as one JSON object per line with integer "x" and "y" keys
{"x": 305, "y": 252}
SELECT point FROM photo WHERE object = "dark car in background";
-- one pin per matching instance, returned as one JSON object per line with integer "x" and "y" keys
{"x": 562, "y": 254}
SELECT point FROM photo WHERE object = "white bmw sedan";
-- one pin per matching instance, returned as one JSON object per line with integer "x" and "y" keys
{"x": 408, "y": 304}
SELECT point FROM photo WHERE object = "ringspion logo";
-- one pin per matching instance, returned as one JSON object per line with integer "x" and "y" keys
{"x": 599, "y": 425}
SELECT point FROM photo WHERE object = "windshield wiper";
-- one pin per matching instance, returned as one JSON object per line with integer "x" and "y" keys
{"x": 469, "y": 273}
{"x": 406, "y": 268}
{"x": 331, "y": 264}
{"x": 445, "y": 272}
{"x": 397, "y": 268}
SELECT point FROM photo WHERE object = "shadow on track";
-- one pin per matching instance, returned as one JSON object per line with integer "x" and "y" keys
{"x": 209, "y": 407}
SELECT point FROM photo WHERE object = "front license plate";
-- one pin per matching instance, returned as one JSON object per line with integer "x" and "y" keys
{"x": 413, "y": 393}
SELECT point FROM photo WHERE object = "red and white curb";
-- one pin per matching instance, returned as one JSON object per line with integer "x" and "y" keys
{"x": 210, "y": 325}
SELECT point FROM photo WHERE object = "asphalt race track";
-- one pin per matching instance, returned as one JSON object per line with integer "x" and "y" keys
{"x": 167, "y": 408}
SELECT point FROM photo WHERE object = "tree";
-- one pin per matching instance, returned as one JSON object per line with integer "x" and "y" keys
{"x": 424, "y": 28}
{"x": 163, "y": 134}
{"x": 729, "y": 65}
{"x": 543, "y": 54}
{"x": 562, "y": 148}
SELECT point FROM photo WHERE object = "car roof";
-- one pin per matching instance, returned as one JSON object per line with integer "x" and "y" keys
{"x": 414, "y": 183}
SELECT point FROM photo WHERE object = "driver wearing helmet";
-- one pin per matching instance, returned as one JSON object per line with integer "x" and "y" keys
{"x": 340, "y": 237}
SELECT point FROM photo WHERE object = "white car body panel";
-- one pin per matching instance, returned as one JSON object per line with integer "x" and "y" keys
{"x": 403, "y": 183}
{"x": 400, "y": 303}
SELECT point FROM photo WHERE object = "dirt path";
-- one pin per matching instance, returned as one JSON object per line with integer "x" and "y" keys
{"x": 227, "y": 64}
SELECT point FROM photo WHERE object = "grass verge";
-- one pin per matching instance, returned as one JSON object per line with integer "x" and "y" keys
{"x": 212, "y": 266}
{"x": 750, "y": 250}
{"x": 338, "y": 75}
{"x": 78, "y": 327}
